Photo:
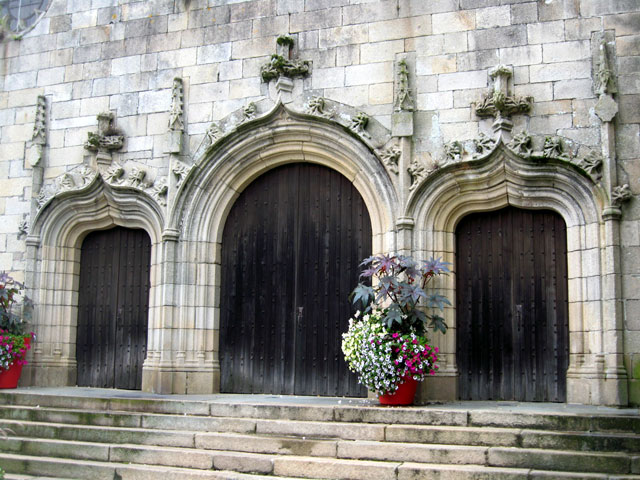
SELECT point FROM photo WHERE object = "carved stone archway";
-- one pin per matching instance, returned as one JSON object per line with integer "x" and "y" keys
{"x": 502, "y": 178}
{"x": 192, "y": 241}
{"x": 53, "y": 265}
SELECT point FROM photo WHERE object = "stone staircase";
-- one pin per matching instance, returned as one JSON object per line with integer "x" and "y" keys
{"x": 115, "y": 435}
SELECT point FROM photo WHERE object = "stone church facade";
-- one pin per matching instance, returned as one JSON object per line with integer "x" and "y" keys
{"x": 160, "y": 115}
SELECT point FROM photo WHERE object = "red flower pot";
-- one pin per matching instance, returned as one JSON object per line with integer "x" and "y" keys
{"x": 9, "y": 378}
{"x": 403, "y": 395}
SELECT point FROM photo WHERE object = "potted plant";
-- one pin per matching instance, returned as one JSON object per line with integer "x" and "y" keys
{"x": 387, "y": 343}
{"x": 14, "y": 341}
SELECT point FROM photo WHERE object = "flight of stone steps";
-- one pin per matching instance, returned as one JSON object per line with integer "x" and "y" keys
{"x": 93, "y": 438}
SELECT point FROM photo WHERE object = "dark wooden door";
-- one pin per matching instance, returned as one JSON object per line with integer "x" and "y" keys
{"x": 113, "y": 308}
{"x": 291, "y": 248}
{"x": 511, "y": 302}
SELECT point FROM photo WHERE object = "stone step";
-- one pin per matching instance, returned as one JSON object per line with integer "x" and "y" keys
{"x": 173, "y": 428}
{"x": 21, "y": 467}
{"x": 349, "y": 410}
{"x": 246, "y": 459}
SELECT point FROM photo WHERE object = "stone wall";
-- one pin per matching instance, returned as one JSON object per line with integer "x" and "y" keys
{"x": 86, "y": 57}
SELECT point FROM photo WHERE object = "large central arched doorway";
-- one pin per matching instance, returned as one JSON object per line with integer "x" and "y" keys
{"x": 291, "y": 248}
{"x": 511, "y": 308}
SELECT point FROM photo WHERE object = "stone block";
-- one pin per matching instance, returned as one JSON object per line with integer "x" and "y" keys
{"x": 161, "y": 456}
{"x": 544, "y": 32}
{"x": 462, "y": 80}
{"x": 566, "y": 51}
{"x": 558, "y": 10}
{"x": 417, "y": 471}
{"x": 402, "y": 124}
{"x": 516, "y": 56}
{"x": 372, "y": 12}
{"x": 252, "y": 48}
{"x": 145, "y": 27}
{"x": 581, "y": 28}
{"x": 315, "y": 20}
{"x": 19, "y": 81}
{"x": 284, "y": 7}
{"x": 345, "y": 35}
{"x": 436, "y": 64}
{"x": 443, "y": 454}
{"x": 412, "y": 8}
{"x": 435, "y": 101}
{"x": 590, "y": 8}
{"x": 478, "y": 60}
{"x": 628, "y": 45}
{"x": 453, "y": 21}
{"x": 125, "y": 65}
{"x": 177, "y": 58}
{"x": 399, "y": 28}
{"x": 154, "y": 101}
{"x": 493, "y": 17}
{"x": 572, "y": 89}
{"x": 85, "y": 19}
{"x": 499, "y": 37}
{"x": 220, "y": 52}
{"x": 381, "y": 93}
{"x": 350, "y": 431}
{"x": 370, "y": 73}
{"x": 560, "y": 71}
{"x": 347, "y": 55}
{"x": 524, "y": 13}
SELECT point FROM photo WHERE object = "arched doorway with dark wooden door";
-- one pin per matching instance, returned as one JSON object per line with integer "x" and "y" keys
{"x": 291, "y": 249}
{"x": 511, "y": 306}
{"x": 113, "y": 308}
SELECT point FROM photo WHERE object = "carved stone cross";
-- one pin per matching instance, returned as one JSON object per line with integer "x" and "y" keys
{"x": 499, "y": 103}
{"x": 106, "y": 139}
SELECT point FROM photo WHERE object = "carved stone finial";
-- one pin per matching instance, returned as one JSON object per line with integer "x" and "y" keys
{"x": 281, "y": 63}
{"x": 160, "y": 190}
{"x": 248, "y": 112}
{"x": 621, "y": 194}
{"x": 553, "y": 148}
{"x": 403, "y": 99}
{"x": 483, "y": 145}
{"x": 39, "y": 136}
{"x": 453, "y": 151}
{"x": 604, "y": 74}
{"x": 499, "y": 103}
{"x": 213, "y": 133}
{"x": 316, "y": 106}
{"x": 113, "y": 174}
{"x": 521, "y": 144}
{"x": 23, "y": 227}
{"x": 592, "y": 164}
{"x": 390, "y": 157}
{"x": 359, "y": 124}
{"x": 181, "y": 170}
{"x": 106, "y": 139}
{"x": 418, "y": 172}
{"x": 136, "y": 177}
{"x": 176, "y": 114}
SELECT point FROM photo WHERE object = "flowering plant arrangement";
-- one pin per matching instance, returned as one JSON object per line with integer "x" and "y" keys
{"x": 13, "y": 334}
{"x": 384, "y": 359}
{"x": 387, "y": 341}
{"x": 13, "y": 349}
